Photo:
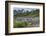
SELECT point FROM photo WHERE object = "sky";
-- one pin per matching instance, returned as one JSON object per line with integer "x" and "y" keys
{"x": 25, "y": 9}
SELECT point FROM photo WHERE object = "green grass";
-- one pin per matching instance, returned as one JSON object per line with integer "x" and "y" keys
{"x": 18, "y": 24}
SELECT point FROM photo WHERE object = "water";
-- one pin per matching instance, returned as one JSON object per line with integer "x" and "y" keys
{"x": 33, "y": 20}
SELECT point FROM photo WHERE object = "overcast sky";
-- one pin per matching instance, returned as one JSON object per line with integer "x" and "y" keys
{"x": 25, "y": 9}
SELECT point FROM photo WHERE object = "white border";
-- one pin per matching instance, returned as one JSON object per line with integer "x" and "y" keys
{"x": 31, "y": 29}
